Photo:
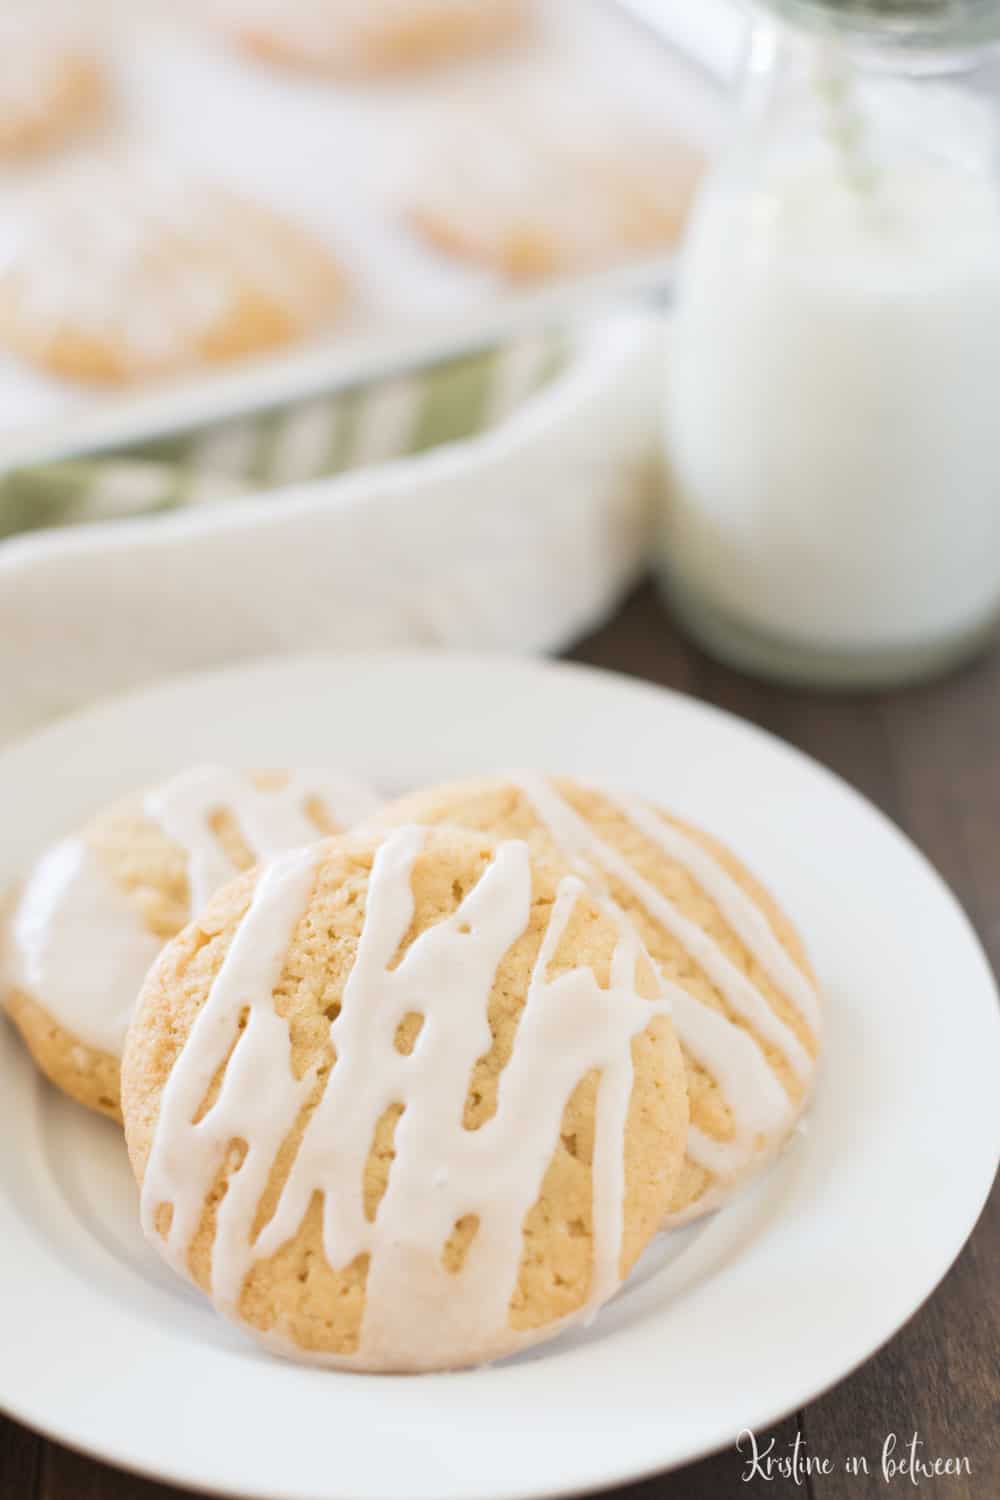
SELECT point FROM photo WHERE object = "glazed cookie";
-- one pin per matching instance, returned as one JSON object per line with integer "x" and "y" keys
{"x": 514, "y": 190}
{"x": 744, "y": 998}
{"x": 359, "y": 38}
{"x": 97, "y": 908}
{"x": 52, "y": 85}
{"x": 404, "y": 1101}
{"x": 119, "y": 272}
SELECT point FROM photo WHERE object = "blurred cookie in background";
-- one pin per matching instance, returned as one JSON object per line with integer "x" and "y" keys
{"x": 123, "y": 268}
{"x": 360, "y": 38}
{"x": 53, "y": 83}
{"x": 530, "y": 185}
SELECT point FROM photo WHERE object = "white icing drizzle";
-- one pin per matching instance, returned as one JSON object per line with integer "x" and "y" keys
{"x": 79, "y": 946}
{"x": 738, "y": 908}
{"x": 417, "y": 1314}
{"x": 270, "y": 821}
{"x": 758, "y": 1104}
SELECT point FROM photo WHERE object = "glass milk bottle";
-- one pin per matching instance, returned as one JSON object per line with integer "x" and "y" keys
{"x": 833, "y": 375}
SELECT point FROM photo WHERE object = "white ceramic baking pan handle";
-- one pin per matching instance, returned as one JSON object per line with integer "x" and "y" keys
{"x": 517, "y": 539}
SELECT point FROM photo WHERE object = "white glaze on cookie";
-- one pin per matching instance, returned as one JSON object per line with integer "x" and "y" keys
{"x": 77, "y": 944}
{"x": 78, "y": 947}
{"x": 417, "y": 1314}
{"x": 270, "y": 821}
{"x": 760, "y": 1109}
{"x": 743, "y": 915}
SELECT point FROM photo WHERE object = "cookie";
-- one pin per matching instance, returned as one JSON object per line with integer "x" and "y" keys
{"x": 363, "y": 38}
{"x": 118, "y": 272}
{"x": 52, "y": 85}
{"x": 745, "y": 1002}
{"x": 97, "y": 908}
{"x": 404, "y": 1101}
{"x": 514, "y": 190}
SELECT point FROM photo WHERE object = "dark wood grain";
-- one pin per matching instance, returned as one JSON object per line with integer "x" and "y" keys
{"x": 70, "y": 1476}
{"x": 930, "y": 758}
{"x": 20, "y": 1461}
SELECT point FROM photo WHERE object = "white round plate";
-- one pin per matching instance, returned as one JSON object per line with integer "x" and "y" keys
{"x": 730, "y": 1324}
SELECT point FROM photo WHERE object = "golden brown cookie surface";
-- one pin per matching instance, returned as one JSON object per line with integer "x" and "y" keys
{"x": 404, "y": 1101}
{"x": 87, "y": 1074}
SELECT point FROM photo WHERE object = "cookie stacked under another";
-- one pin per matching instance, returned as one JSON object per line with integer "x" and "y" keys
{"x": 744, "y": 999}
{"x": 97, "y": 907}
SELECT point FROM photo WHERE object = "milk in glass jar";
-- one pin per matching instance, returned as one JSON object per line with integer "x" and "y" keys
{"x": 833, "y": 383}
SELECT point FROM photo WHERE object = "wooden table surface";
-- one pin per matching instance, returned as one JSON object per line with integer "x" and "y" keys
{"x": 930, "y": 758}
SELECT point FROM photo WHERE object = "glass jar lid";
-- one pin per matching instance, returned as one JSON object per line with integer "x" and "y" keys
{"x": 930, "y": 24}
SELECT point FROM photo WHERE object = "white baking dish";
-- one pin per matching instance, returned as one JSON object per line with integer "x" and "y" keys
{"x": 271, "y": 136}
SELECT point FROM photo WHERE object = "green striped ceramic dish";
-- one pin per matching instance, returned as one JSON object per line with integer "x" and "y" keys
{"x": 285, "y": 444}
